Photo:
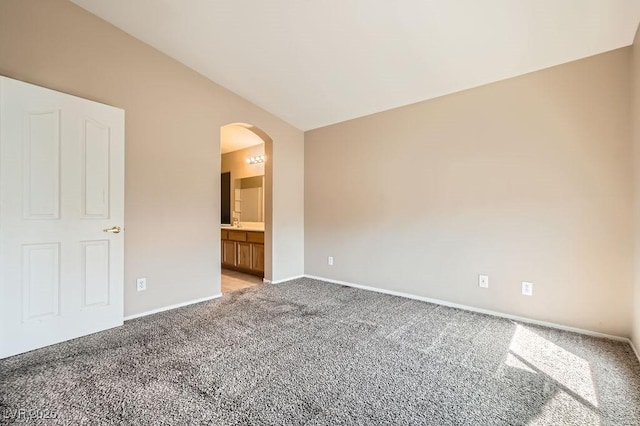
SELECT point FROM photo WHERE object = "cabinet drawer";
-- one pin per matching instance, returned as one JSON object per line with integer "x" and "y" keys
{"x": 224, "y": 234}
{"x": 255, "y": 237}
{"x": 237, "y": 235}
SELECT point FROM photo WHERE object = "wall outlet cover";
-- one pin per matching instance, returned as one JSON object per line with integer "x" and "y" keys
{"x": 141, "y": 284}
{"x": 330, "y": 260}
{"x": 483, "y": 281}
{"x": 527, "y": 288}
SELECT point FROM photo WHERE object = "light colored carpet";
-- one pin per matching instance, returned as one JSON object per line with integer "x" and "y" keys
{"x": 307, "y": 352}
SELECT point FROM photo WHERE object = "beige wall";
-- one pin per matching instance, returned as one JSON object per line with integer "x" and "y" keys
{"x": 236, "y": 163}
{"x": 528, "y": 179}
{"x": 635, "y": 122}
{"x": 173, "y": 120}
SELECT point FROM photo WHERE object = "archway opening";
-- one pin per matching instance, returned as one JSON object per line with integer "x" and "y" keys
{"x": 246, "y": 206}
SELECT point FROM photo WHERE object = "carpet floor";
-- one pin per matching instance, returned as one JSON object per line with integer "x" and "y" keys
{"x": 308, "y": 352}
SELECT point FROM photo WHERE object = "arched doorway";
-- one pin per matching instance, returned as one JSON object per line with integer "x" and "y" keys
{"x": 246, "y": 219}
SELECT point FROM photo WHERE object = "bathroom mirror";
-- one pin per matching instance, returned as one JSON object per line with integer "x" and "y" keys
{"x": 249, "y": 199}
{"x": 225, "y": 198}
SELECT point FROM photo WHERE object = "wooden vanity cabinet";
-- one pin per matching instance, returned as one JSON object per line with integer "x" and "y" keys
{"x": 243, "y": 251}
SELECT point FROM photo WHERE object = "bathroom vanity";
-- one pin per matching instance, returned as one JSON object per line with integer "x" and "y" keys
{"x": 243, "y": 250}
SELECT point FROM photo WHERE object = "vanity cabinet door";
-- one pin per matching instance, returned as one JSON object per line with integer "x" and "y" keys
{"x": 257, "y": 257}
{"x": 243, "y": 259}
{"x": 228, "y": 253}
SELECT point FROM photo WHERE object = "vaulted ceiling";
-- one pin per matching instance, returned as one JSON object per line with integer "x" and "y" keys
{"x": 322, "y": 62}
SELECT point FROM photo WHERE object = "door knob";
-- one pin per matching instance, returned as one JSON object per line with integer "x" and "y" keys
{"x": 114, "y": 230}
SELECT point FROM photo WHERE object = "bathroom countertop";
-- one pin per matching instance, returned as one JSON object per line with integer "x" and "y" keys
{"x": 252, "y": 228}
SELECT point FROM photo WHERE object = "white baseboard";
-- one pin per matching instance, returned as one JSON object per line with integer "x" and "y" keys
{"x": 168, "y": 308}
{"x": 635, "y": 350}
{"x": 266, "y": 281}
{"x": 478, "y": 310}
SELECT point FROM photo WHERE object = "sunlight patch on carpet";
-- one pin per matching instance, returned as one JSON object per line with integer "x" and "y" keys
{"x": 568, "y": 370}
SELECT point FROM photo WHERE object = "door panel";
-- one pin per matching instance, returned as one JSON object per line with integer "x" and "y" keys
{"x": 95, "y": 273}
{"x": 40, "y": 281}
{"x": 41, "y": 165}
{"x": 61, "y": 184}
{"x": 95, "y": 168}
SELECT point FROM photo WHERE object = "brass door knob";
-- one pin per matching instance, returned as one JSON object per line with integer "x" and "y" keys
{"x": 113, "y": 230}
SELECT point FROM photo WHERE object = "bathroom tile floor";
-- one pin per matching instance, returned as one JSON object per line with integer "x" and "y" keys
{"x": 234, "y": 281}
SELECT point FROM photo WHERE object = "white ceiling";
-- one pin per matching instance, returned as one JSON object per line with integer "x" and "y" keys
{"x": 322, "y": 62}
{"x": 234, "y": 137}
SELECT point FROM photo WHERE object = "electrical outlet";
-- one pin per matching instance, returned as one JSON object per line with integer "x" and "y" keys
{"x": 483, "y": 281}
{"x": 141, "y": 284}
{"x": 527, "y": 288}
{"x": 330, "y": 260}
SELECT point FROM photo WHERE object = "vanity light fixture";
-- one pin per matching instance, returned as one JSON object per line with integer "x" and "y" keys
{"x": 255, "y": 160}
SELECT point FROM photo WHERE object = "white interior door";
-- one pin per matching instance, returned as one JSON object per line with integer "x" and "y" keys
{"x": 61, "y": 185}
